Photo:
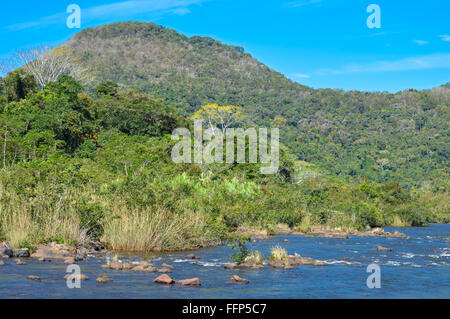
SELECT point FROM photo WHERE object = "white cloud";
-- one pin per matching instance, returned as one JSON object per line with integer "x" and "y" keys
{"x": 420, "y": 42}
{"x": 300, "y": 75}
{"x": 119, "y": 10}
{"x": 432, "y": 61}
{"x": 445, "y": 37}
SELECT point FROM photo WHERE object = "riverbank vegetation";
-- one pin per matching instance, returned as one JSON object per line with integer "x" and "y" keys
{"x": 79, "y": 165}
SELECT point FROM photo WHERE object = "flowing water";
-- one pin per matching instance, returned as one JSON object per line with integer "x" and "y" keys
{"x": 417, "y": 267}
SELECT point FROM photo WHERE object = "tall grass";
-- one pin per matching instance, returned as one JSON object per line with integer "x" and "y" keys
{"x": 22, "y": 224}
{"x": 153, "y": 229}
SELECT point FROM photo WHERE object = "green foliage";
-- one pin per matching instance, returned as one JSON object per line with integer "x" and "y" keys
{"x": 17, "y": 85}
{"x": 383, "y": 137}
{"x": 76, "y": 166}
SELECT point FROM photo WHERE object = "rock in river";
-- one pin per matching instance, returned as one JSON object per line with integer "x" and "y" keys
{"x": 22, "y": 252}
{"x": 103, "y": 279}
{"x": 35, "y": 278}
{"x": 69, "y": 260}
{"x": 189, "y": 282}
{"x": 20, "y": 262}
{"x": 381, "y": 248}
{"x": 238, "y": 280}
{"x": 164, "y": 279}
{"x": 59, "y": 252}
{"x": 164, "y": 270}
{"x": 82, "y": 276}
{"x": 167, "y": 266}
{"x": 6, "y": 250}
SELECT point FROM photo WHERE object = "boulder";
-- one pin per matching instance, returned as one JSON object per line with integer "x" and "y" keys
{"x": 381, "y": 248}
{"x": 192, "y": 256}
{"x": 6, "y": 250}
{"x": 20, "y": 262}
{"x": 127, "y": 266}
{"x": 164, "y": 270}
{"x": 69, "y": 260}
{"x": 115, "y": 265}
{"x": 164, "y": 279}
{"x": 230, "y": 266}
{"x": 238, "y": 280}
{"x": 279, "y": 264}
{"x": 397, "y": 234}
{"x": 2, "y": 263}
{"x": 145, "y": 266}
{"x": 55, "y": 251}
{"x": 167, "y": 266}
{"x": 189, "y": 282}
{"x": 103, "y": 279}
{"x": 297, "y": 260}
{"x": 82, "y": 276}
{"x": 22, "y": 253}
{"x": 286, "y": 240}
{"x": 81, "y": 253}
{"x": 35, "y": 278}
{"x": 251, "y": 263}
{"x": 379, "y": 232}
{"x": 95, "y": 245}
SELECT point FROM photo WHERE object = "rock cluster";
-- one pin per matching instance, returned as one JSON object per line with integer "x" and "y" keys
{"x": 142, "y": 266}
{"x": 61, "y": 252}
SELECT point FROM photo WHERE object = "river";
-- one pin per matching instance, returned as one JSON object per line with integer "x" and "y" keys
{"x": 418, "y": 267}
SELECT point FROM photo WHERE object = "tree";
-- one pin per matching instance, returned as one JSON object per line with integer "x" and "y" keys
{"x": 217, "y": 116}
{"x": 18, "y": 84}
{"x": 107, "y": 88}
{"x": 47, "y": 65}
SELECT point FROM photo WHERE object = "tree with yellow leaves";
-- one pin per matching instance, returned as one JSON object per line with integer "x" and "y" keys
{"x": 217, "y": 116}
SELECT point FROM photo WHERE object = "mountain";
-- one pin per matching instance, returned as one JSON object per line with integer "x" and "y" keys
{"x": 380, "y": 136}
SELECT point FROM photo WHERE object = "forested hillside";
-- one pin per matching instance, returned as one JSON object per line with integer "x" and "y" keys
{"x": 380, "y": 136}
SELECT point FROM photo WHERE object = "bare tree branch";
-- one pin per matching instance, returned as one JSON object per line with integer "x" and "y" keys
{"x": 47, "y": 64}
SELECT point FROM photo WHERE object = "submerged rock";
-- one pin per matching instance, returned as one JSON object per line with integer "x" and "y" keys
{"x": 20, "y": 262}
{"x": 381, "y": 248}
{"x": 164, "y": 279}
{"x": 238, "y": 280}
{"x": 35, "y": 278}
{"x": 189, "y": 282}
{"x": 103, "y": 279}
{"x": 2, "y": 263}
{"x": 82, "y": 277}
{"x": 192, "y": 256}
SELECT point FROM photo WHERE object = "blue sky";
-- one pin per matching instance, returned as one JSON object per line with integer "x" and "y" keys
{"x": 319, "y": 43}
